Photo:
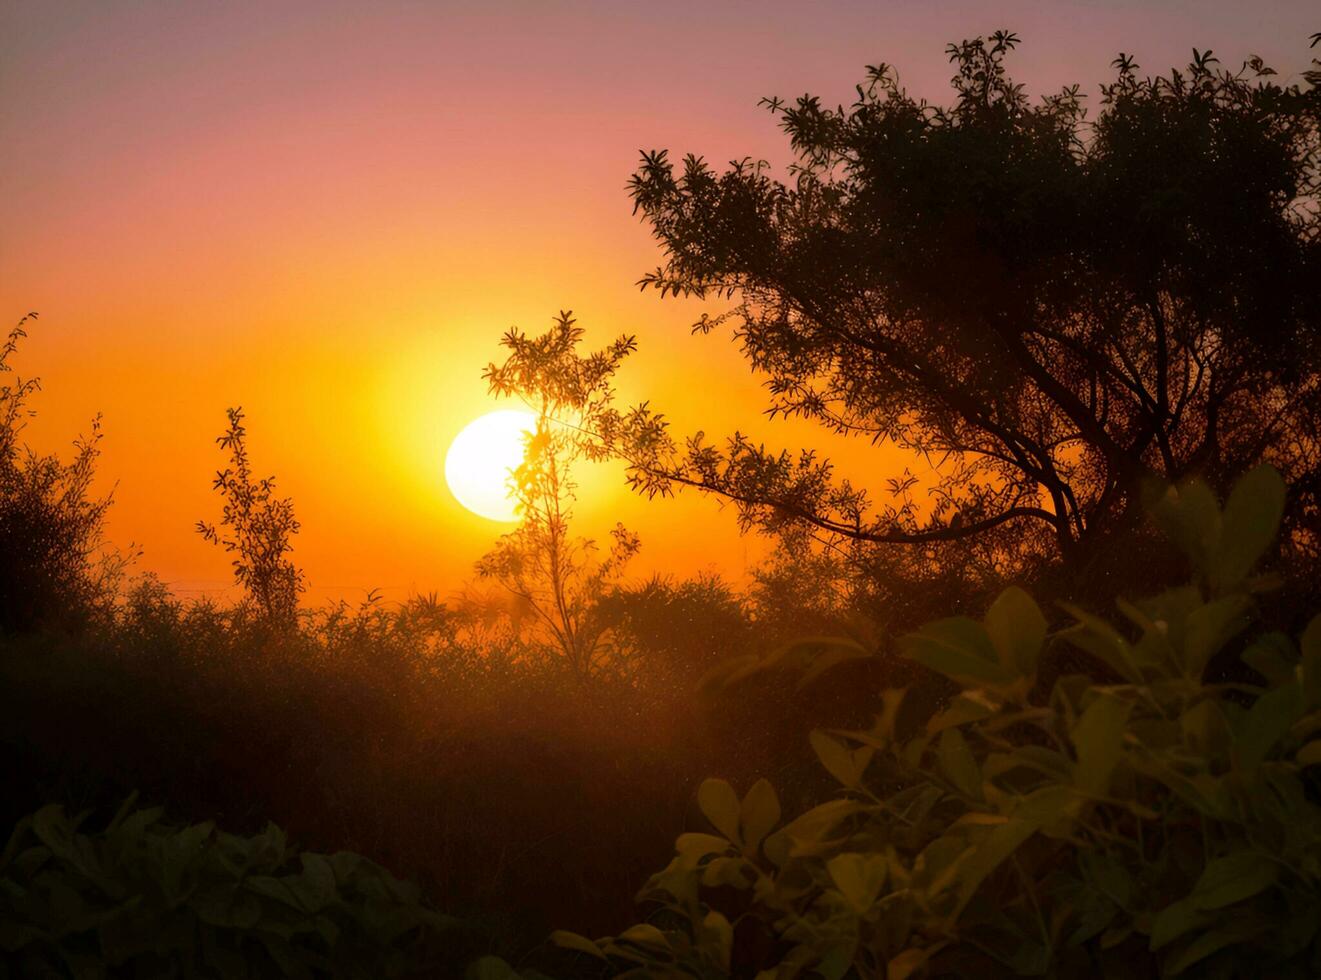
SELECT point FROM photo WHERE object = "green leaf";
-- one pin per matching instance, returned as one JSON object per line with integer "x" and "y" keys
{"x": 1266, "y": 723}
{"x": 1097, "y": 637}
{"x": 1272, "y": 656}
{"x": 965, "y": 707}
{"x": 1209, "y": 628}
{"x": 571, "y": 940}
{"x": 988, "y": 855}
{"x": 759, "y": 813}
{"x": 859, "y": 878}
{"x": 1233, "y": 878}
{"x": 721, "y": 806}
{"x": 1017, "y": 631}
{"x": 1174, "y": 920}
{"x": 845, "y": 766}
{"x": 1098, "y": 741}
{"x": 1250, "y": 524}
{"x": 960, "y": 649}
{"x": 958, "y": 764}
{"x": 490, "y": 968}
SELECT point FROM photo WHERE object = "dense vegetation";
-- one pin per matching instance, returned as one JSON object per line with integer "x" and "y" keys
{"x": 1046, "y": 789}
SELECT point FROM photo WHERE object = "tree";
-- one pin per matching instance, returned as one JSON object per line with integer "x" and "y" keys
{"x": 50, "y": 523}
{"x": 1046, "y": 309}
{"x": 557, "y": 578}
{"x": 257, "y": 527}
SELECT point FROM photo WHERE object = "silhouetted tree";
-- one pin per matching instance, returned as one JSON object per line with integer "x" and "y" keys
{"x": 257, "y": 527}
{"x": 557, "y": 578}
{"x": 1046, "y": 309}
{"x": 52, "y": 562}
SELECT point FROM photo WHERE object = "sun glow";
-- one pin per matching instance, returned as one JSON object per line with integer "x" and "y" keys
{"x": 481, "y": 458}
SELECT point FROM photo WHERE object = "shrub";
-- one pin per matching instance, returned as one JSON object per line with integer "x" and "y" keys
{"x": 144, "y": 898}
{"x": 50, "y": 524}
{"x": 1155, "y": 816}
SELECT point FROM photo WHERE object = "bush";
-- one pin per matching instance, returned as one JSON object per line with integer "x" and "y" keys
{"x": 50, "y": 524}
{"x": 144, "y": 898}
{"x": 1157, "y": 816}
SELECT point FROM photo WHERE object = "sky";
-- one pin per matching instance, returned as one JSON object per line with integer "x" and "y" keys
{"x": 328, "y": 213}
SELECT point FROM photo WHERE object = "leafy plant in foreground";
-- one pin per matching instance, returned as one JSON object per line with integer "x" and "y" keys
{"x": 143, "y": 898}
{"x": 1162, "y": 822}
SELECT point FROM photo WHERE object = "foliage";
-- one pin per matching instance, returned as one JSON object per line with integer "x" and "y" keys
{"x": 1046, "y": 308}
{"x": 1165, "y": 818}
{"x": 142, "y": 897}
{"x": 256, "y": 527}
{"x": 554, "y": 576}
{"x": 50, "y": 523}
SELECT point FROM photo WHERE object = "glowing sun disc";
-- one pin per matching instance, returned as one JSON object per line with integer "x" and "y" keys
{"x": 480, "y": 459}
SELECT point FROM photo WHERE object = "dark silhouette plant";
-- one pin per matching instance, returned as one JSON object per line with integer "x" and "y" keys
{"x": 53, "y": 563}
{"x": 1045, "y": 307}
{"x": 257, "y": 527}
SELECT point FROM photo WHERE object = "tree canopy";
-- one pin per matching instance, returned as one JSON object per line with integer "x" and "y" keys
{"x": 1048, "y": 307}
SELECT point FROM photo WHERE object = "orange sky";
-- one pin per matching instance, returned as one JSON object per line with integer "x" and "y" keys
{"x": 328, "y": 213}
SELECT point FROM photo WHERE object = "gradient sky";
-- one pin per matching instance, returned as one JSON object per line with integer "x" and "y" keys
{"x": 328, "y": 213}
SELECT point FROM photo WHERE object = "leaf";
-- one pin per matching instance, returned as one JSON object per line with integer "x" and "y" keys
{"x": 1098, "y": 741}
{"x": 1233, "y": 878}
{"x": 1272, "y": 656}
{"x": 988, "y": 855}
{"x": 1017, "y": 630}
{"x": 1097, "y": 637}
{"x": 1174, "y": 920}
{"x": 907, "y": 963}
{"x": 1209, "y": 628}
{"x": 720, "y": 804}
{"x": 759, "y": 813}
{"x": 1266, "y": 723}
{"x": 490, "y": 968}
{"x": 859, "y": 878}
{"x": 1250, "y": 523}
{"x": 644, "y": 934}
{"x": 958, "y": 764}
{"x": 965, "y": 707}
{"x": 959, "y": 648}
{"x": 695, "y": 846}
{"x": 845, "y": 766}
{"x": 571, "y": 940}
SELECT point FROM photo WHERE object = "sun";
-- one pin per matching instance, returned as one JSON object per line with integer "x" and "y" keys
{"x": 480, "y": 459}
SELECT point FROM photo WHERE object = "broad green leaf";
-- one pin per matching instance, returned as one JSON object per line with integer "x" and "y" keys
{"x": 960, "y": 649}
{"x": 1233, "y": 878}
{"x": 1097, "y": 637}
{"x": 696, "y": 846}
{"x": 720, "y": 805}
{"x": 1212, "y": 941}
{"x": 644, "y": 934}
{"x": 1176, "y": 919}
{"x": 845, "y": 766}
{"x": 759, "y": 813}
{"x": 571, "y": 940}
{"x": 1266, "y": 723}
{"x": 1017, "y": 631}
{"x": 958, "y": 764}
{"x": 907, "y": 963}
{"x": 988, "y": 855}
{"x": 1309, "y": 754}
{"x": 490, "y": 968}
{"x": 965, "y": 707}
{"x": 859, "y": 878}
{"x": 1209, "y": 628}
{"x": 1272, "y": 656}
{"x": 1249, "y": 525}
{"x": 1098, "y": 741}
